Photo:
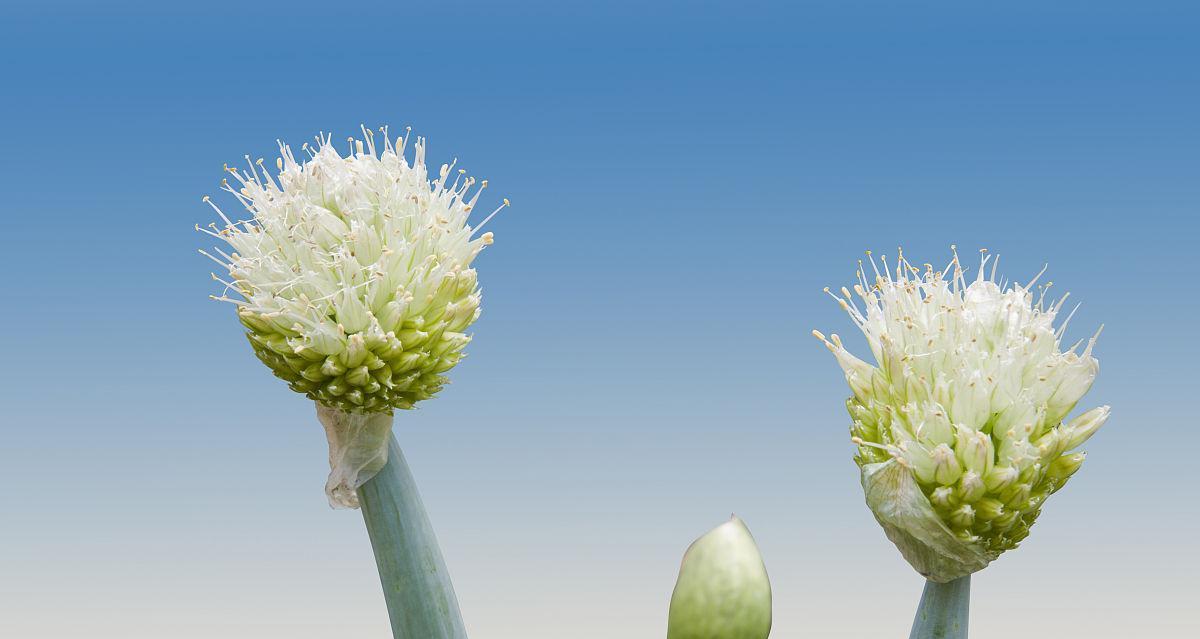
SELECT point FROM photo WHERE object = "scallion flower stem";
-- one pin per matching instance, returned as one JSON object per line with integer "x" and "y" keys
{"x": 416, "y": 586}
{"x": 943, "y": 611}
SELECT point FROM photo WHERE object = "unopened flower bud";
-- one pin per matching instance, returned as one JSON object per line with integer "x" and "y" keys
{"x": 723, "y": 591}
{"x": 971, "y": 487}
{"x": 1083, "y": 427}
{"x": 974, "y": 449}
{"x": 1000, "y": 478}
{"x": 989, "y": 508}
{"x": 1061, "y": 469}
{"x": 947, "y": 470}
{"x": 963, "y": 517}
{"x": 943, "y": 497}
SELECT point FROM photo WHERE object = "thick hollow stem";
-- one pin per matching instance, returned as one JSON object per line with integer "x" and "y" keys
{"x": 420, "y": 598}
{"x": 943, "y": 611}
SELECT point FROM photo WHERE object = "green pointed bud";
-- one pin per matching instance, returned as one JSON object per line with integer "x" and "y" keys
{"x": 1083, "y": 427}
{"x": 723, "y": 591}
{"x": 860, "y": 413}
{"x": 1062, "y": 468}
{"x": 974, "y": 449}
{"x": 1016, "y": 496}
{"x": 920, "y": 461}
{"x": 1038, "y": 497}
{"x": 1051, "y": 444}
{"x": 860, "y": 382}
{"x": 971, "y": 487}
{"x": 355, "y": 353}
{"x": 947, "y": 470}
{"x": 937, "y": 428}
{"x": 358, "y": 376}
{"x": 352, "y": 314}
{"x": 330, "y": 367}
{"x": 1032, "y": 473}
{"x": 988, "y": 509}
{"x": 313, "y": 373}
{"x": 963, "y": 516}
{"x": 943, "y": 497}
{"x": 1000, "y": 478}
{"x": 1006, "y": 520}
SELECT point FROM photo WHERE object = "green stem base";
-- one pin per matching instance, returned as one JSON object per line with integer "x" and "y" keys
{"x": 943, "y": 611}
{"x": 416, "y": 586}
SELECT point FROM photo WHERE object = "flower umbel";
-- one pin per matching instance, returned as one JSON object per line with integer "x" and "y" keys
{"x": 353, "y": 272}
{"x": 959, "y": 424}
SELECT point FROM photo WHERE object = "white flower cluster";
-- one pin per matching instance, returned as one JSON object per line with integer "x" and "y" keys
{"x": 353, "y": 272}
{"x": 967, "y": 397}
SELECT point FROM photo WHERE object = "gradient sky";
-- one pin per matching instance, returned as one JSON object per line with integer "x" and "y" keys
{"x": 685, "y": 178}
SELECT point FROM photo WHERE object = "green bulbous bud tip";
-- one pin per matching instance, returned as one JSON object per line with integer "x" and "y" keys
{"x": 1083, "y": 427}
{"x": 963, "y": 517}
{"x": 1062, "y": 468}
{"x": 723, "y": 591}
{"x": 988, "y": 509}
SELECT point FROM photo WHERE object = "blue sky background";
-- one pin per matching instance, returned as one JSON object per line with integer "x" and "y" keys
{"x": 685, "y": 179}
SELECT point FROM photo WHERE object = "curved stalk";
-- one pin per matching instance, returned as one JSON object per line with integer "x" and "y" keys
{"x": 420, "y": 598}
{"x": 943, "y": 611}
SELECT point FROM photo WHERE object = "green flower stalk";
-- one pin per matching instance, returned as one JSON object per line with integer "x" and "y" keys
{"x": 960, "y": 424}
{"x": 352, "y": 277}
{"x": 723, "y": 591}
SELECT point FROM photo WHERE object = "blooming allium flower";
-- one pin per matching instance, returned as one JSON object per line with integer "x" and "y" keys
{"x": 959, "y": 424}
{"x": 355, "y": 284}
{"x": 354, "y": 272}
